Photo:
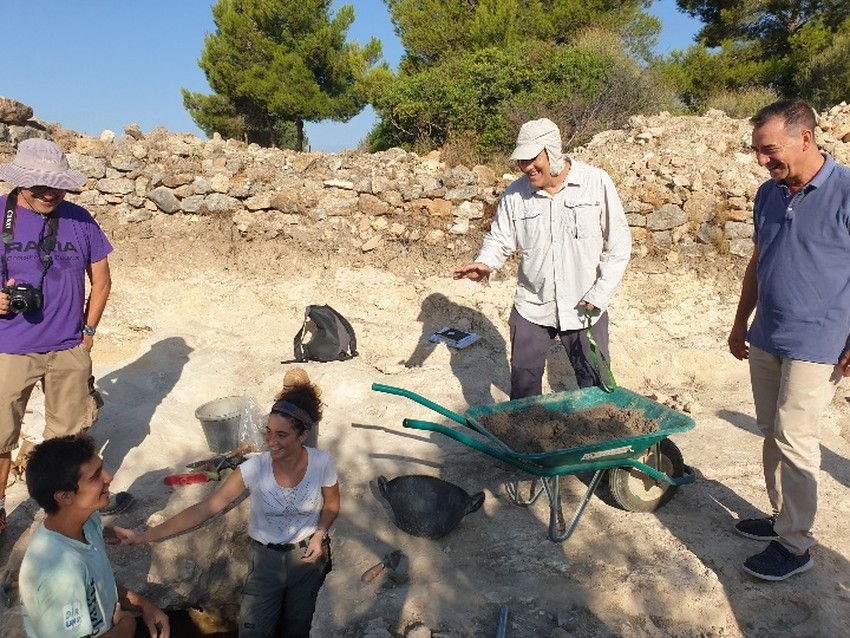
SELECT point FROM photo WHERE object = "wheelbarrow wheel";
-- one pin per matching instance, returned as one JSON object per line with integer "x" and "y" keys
{"x": 636, "y": 491}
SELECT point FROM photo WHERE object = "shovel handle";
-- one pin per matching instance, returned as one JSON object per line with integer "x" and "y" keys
{"x": 218, "y": 459}
{"x": 190, "y": 478}
{"x": 372, "y": 573}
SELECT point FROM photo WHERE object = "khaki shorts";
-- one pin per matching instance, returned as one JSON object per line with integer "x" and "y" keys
{"x": 71, "y": 404}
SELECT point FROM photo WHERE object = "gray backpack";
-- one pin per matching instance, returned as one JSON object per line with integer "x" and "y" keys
{"x": 331, "y": 336}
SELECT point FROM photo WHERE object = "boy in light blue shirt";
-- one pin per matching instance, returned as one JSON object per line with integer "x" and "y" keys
{"x": 67, "y": 585}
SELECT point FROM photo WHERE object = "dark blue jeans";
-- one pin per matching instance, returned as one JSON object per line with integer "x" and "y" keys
{"x": 530, "y": 344}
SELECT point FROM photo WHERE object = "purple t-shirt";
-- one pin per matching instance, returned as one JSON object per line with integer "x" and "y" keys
{"x": 79, "y": 243}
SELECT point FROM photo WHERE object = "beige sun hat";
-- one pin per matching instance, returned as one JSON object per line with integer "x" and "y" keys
{"x": 535, "y": 136}
{"x": 294, "y": 377}
{"x": 41, "y": 162}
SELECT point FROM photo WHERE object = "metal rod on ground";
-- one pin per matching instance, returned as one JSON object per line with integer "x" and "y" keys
{"x": 503, "y": 621}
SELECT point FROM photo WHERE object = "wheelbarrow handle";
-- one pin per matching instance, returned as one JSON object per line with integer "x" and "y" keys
{"x": 389, "y": 389}
{"x": 481, "y": 447}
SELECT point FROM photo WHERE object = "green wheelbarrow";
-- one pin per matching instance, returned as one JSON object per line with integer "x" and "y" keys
{"x": 644, "y": 471}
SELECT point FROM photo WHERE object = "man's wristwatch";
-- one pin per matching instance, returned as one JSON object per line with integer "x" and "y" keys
{"x": 89, "y": 330}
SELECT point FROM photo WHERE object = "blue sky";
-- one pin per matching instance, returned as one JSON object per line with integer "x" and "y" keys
{"x": 92, "y": 65}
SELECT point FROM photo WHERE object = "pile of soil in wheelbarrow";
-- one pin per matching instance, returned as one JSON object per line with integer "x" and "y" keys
{"x": 540, "y": 430}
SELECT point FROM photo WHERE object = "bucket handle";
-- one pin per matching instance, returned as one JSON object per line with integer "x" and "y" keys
{"x": 475, "y": 503}
{"x": 382, "y": 486}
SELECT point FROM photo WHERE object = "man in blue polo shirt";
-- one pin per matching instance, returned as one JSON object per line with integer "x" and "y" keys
{"x": 798, "y": 283}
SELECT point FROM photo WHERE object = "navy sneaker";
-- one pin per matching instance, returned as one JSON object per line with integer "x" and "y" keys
{"x": 117, "y": 503}
{"x": 777, "y": 563}
{"x": 758, "y": 529}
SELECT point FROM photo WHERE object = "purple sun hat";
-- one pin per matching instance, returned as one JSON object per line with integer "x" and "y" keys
{"x": 41, "y": 163}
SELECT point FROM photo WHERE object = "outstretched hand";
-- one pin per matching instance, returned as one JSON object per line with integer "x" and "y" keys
{"x": 122, "y": 536}
{"x": 475, "y": 271}
{"x": 156, "y": 622}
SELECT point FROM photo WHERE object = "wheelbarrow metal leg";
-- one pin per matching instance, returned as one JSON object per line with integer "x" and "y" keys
{"x": 513, "y": 489}
{"x": 556, "y": 515}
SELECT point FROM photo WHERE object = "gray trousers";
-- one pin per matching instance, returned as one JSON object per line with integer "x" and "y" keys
{"x": 530, "y": 344}
{"x": 280, "y": 591}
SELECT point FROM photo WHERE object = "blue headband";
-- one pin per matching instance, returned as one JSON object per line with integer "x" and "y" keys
{"x": 286, "y": 408}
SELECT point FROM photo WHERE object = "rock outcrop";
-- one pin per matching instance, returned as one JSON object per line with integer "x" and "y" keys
{"x": 687, "y": 182}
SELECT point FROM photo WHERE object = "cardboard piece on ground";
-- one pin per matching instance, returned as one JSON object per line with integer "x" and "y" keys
{"x": 454, "y": 337}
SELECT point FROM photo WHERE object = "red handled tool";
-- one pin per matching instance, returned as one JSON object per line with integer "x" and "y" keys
{"x": 191, "y": 478}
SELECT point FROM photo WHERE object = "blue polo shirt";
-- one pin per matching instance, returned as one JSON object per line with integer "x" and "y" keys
{"x": 803, "y": 309}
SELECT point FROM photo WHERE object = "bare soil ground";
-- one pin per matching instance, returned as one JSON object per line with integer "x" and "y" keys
{"x": 198, "y": 313}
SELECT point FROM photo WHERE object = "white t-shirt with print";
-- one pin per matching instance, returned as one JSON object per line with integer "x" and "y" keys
{"x": 286, "y": 514}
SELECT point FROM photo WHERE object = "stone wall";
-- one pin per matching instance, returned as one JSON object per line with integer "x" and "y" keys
{"x": 686, "y": 182}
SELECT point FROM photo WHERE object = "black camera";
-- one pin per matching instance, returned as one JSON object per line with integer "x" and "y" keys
{"x": 23, "y": 298}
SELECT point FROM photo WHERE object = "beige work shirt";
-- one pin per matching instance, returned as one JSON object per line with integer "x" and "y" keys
{"x": 574, "y": 245}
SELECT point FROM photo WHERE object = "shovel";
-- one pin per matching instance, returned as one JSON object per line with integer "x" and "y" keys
{"x": 216, "y": 462}
{"x": 390, "y": 561}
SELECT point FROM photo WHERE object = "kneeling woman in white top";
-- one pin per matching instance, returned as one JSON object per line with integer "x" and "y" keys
{"x": 294, "y": 499}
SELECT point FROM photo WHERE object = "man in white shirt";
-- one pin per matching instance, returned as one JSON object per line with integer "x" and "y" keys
{"x": 566, "y": 220}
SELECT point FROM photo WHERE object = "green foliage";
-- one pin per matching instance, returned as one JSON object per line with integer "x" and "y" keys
{"x": 275, "y": 61}
{"x": 772, "y": 22}
{"x": 488, "y": 93}
{"x": 216, "y": 114}
{"x": 792, "y": 48}
{"x": 699, "y": 74}
{"x": 469, "y": 93}
{"x": 741, "y": 103}
{"x": 822, "y": 59}
{"x": 628, "y": 88}
{"x": 435, "y": 30}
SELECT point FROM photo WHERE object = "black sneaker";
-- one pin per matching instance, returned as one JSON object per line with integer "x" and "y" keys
{"x": 759, "y": 529}
{"x": 777, "y": 563}
{"x": 117, "y": 503}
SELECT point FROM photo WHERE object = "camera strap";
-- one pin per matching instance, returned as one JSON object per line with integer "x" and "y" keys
{"x": 8, "y": 229}
{"x": 9, "y": 216}
{"x": 46, "y": 243}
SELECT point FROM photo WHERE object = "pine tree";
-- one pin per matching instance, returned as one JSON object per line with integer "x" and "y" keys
{"x": 273, "y": 62}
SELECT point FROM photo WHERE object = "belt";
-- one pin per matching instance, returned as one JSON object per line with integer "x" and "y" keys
{"x": 285, "y": 547}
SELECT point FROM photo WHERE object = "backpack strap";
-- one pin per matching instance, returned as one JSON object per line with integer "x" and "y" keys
{"x": 348, "y": 329}
{"x": 298, "y": 342}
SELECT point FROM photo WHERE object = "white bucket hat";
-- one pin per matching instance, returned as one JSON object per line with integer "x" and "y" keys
{"x": 534, "y": 137}
{"x": 41, "y": 163}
